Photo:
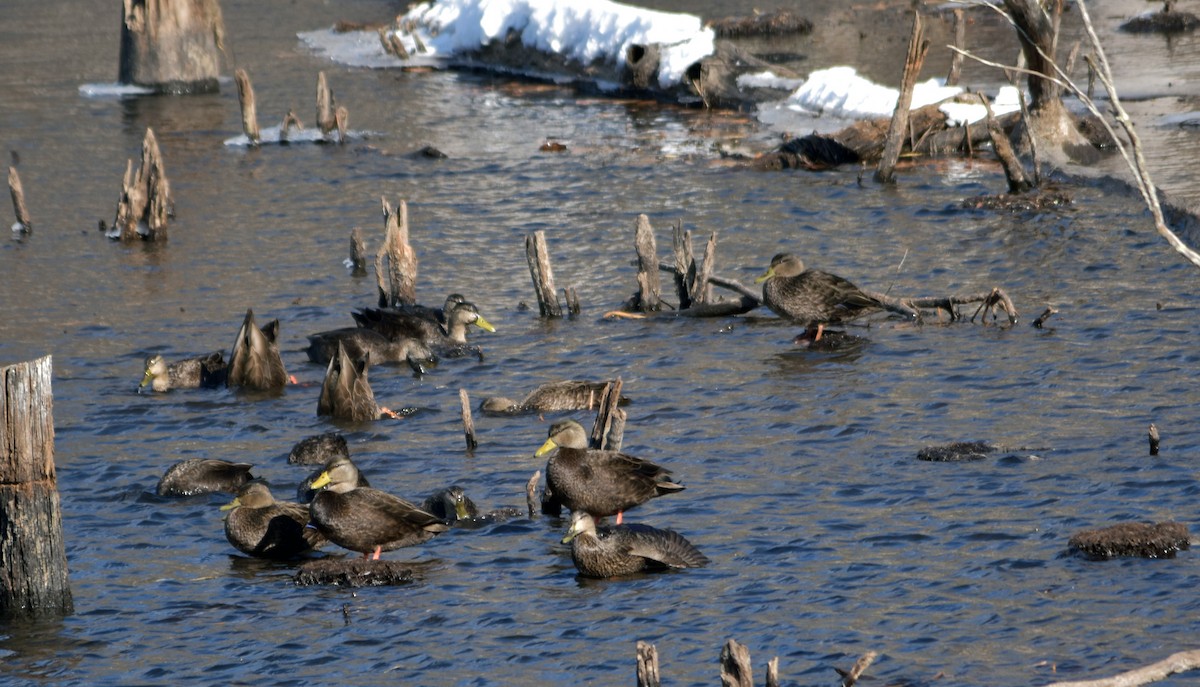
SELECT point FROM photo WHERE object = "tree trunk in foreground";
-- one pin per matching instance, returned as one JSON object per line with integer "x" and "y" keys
{"x": 33, "y": 559}
{"x": 172, "y": 46}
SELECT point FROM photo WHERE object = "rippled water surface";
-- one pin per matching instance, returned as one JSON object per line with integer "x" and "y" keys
{"x": 827, "y": 537}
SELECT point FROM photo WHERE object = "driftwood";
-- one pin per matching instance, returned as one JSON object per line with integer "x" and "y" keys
{"x": 172, "y": 46}
{"x": 647, "y": 665}
{"x": 1180, "y": 662}
{"x": 468, "y": 422}
{"x": 735, "y": 665}
{"x": 145, "y": 203}
{"x": 330, "y": 115}
{"x": 398, "y": 282}
{"x": 358, "y": 253}
{"x": 649, "y": 295}
{"x": 24, "y": 225}
{"x": 609, "y": 429}
{"x": 850, "y": 677}
{"x": 33, "y": 578}
{"x": 538, "y": 257}
{"x": 246, "y": 100}
{"x": 894, "y": 141}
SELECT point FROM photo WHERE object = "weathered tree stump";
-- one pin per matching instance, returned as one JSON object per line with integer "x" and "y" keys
{"x": 246, "y": 100}
{"x": 1153, "y": 436}
{"x": 609, "y": 430}
{"x": 145, "y": 203}
{"x": 649, "y": 295}
{"x": 647, "y": 665}
{"x": 960, "y": 42}
{"x": 24, "y": 225}
{"x": 897, "y": 130}
{"x": 172, "y": 46}
{"x": 538, "y": 257}
{"x": 330, "y": 115}
{"x": 468, "y": 422}
{"x": 1014, "y": 171}
{"x": 33, "y": 559}
{"x": 735, "y": 665}
{"x": 398, "y": 281}
{"x": 358, "y": 253}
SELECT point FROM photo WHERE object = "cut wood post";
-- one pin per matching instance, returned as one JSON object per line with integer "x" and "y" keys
{"x": 572, "y": 299}
{"x": 358, "y": 253}
{"x": 468, "y": 422}
{"x": 685, "y": 265}
{"x": 24, "y": 225}
{"x": 538, "y": 257}
{"x": 398, "y": 282}
{"x": 701, "y": 288}
{"x": 33, "y": 559}
{"x": 917, "y": 48}
{"x": 773, "y": 672}
{"x": 1153, "y": 435}
{"x": 647, "y": 665}
{"x": 145, "y": 202}
{"x": 172, "y": 46}
{"x": 735, "y": 665}
{"x": 249, "y": 114}
{"x": 960, "y": 41}
{"x": 649, "y": 296}
{"x": 609, "y": 430}
{"x": 326, "y": 121}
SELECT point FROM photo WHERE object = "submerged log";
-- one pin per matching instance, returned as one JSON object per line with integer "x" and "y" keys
{"x": 145, "y": 203}
{"x": 33, "y": 560}
{"x": 353, "y": 572}
{"x": 172, "y": 46}
{"x": 24, "y": 225}
{"x": 1180, "y": 662}
{"x": 249, "y": 112}
{"x": 538, "y": 257}
{"x": 398, "y": 281}
{"x": 894, "y": 141}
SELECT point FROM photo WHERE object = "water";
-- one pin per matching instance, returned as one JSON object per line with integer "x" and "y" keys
{"x": 827, "y": 537}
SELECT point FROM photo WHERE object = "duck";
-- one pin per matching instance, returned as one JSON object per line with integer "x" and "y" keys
{"x": 448, "y": 339}
{"x": 573, "y": 394}
{"x": 812, "y": 297}
{"x": 319, "y": 449}
{"x": 203, "y": 372}
{"x": 367, "y": 520}
{"x": 254, "y": 362}
{"x": 203, "y": 476}
{"x": 258, "y": 525}
{"x": 359, "y": 342}
{"x": 627, "y": 549}
{"x": 346, "y": 392}
{"x": 341, "y": 466}
{"x": 596, "y": 481}
{"x": 452, "y": 505}
{"x": 410, "y": 320}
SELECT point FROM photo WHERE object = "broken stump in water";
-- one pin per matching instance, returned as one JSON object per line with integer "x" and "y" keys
{"x": 145, "y": 203}
{"x": 33, "y": 559}
{"x": 24, "y": 225}
{"x": 171, "y": 46}
{"x": 246, "y": 99}
{"x": 609, "y": 430}
{"x": 918, "y": 47}
{"x": 538, "y": 257}
{"x": 1132, "y": 539}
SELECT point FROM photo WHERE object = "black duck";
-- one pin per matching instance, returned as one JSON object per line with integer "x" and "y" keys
{"x": 409, "y": 321}
{"x": 203, "y": 476}
{"x": 341, "y": 467}
{"x": 812, "y": 297}
{"x": 207, "y": 372}
{"x": 319, "y": 449}
{"x": 346, "y": 392}
{"x": 260, "y": 526}
{"x": 360, "y": 342}
{"x": 368, "y": 520}
{"x": 551, "y": 397}
{"x": 448, "y": 340}
{"x": 599, "y": 482}
{"x": 454, "y": 506}
{"x": 627, "y": 549}
{"x": 255, "y": 363}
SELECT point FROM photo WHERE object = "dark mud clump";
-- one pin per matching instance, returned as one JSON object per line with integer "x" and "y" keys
{"x": 1141, "y": 539}
{"x": 354, "y": 572}
{"x": 958, "y": 452}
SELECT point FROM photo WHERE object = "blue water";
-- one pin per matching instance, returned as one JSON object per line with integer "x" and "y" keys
{"x": 827, "y": 537}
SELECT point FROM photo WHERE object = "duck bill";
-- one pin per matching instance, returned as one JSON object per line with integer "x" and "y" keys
{"x": 484, "y": 324}
{"x": 231, "y": 505}
{"x": 320, "y": 481}
{"x": 546, "y": 448}
{"x": 460, "y": 509}
{"x": 146, "y": 379}
{"x": 570, "y": 535}
{"x": 767, "y": 275}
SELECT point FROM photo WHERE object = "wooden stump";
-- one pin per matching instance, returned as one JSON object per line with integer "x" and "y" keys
{"x": 538, "y": 257}
{"x": 735, "y": 665}
{"x": 398, "y": 283}
{"x": 358, "y": 253}
{"x": 917, "y": 48}
{"x": 145, "y": 202}
{"x": 33, "y": 559}
{"x": 172, "y": 46}
{"x": 649, "y": 296}
{"x": 24, "y": 225}
{"x": 609, "y": 430}
{"x": 468, "y": 422}
{"x": 647, "y": 665}
{"x": 246, "y": 100}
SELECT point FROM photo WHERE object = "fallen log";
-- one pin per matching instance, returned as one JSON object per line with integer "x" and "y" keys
{"x": 1180, "y": 662}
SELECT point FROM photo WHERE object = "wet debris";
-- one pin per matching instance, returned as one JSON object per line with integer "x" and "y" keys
{"x": 1132, "y": 539}
{"x": 777, "y": 23}
{"x": 354, "y": 572}
{"x": 1166, "y": 20}
{"x": 958, "y": 452}
{"x": 319, "y": 449}
{"x": 1033, "y": 201}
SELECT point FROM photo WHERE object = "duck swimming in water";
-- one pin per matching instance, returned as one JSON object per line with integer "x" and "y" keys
{"x": 203, "y": 476}
{"x": 627, "y": 549}
{"x": 571, "y": 394}
{"x": 207, "y": 372}
{"x": 255, "y": 362}
{"x": 360, "y": 342}
{"x": 595, "y": 481}
{"x": 447, "y": 340}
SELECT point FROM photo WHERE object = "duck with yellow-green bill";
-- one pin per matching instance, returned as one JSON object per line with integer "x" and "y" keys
{"x": 627, "y": 549}
{"x": 811, "y": 297}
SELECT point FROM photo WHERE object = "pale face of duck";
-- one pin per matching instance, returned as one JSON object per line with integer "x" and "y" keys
{"x": 339, "y": 477}
{"x": 581, "y": 523}
{"x": 782, "y": 265}
{"x": 252, "y": 495}
{"x": 157, "y": 373}
{"x": 564, "y": 434}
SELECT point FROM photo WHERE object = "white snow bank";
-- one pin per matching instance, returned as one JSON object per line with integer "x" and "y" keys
{"x": 841, "y": 92}
{"x": 1007, "y": 100}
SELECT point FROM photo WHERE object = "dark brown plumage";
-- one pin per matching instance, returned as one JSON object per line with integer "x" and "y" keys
{"x": 319, "y": 449}
{"x": 260, "y": 526}
{"x": 409, "y": 321}
{"x": 448, "y": 339}
{"x": 598, "y": 482}
{"x": 346, "y": 392}
{"x": 203, "y": 476}
{"x": 574, "y": 394}
{"x": 360, "y": 342}
{"x": 627, "y": 549}
{"x": 207, "y": 371}
{"x": 811, "y": 296}
{"x": 368, "y": 520}
{"x": 255, "y": 363}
